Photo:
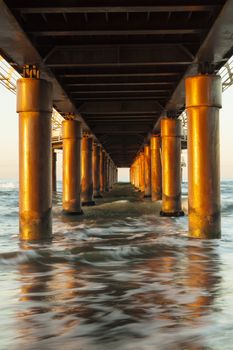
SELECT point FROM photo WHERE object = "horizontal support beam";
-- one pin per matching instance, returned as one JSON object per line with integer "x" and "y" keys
{"x": 122, "y": 98}
{"x": 181, "y": 31}
{"x": 161, "y": 83}
{"x": 121, "y": 120}
{"x": 116, "y": 9}
{"x": 96, "y": 92}
{"x": 118, "y": 55}
{"x": 122, "y": 116}
{"x": 120, "y": 128}
{"x": 133, "y": 64}
{"x": 119, "y": 107}
{"x": 120, "y": 75}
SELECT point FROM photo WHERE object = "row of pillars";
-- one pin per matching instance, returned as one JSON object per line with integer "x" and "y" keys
{"x": 88, "y": 171}
{"x": 156, "y": 170}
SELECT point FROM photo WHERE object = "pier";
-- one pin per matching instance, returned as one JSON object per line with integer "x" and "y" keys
{"x": 120, "y": 75}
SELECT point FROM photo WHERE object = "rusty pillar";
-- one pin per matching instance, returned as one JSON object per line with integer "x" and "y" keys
{"x": 54, "y": 171}
{"x": 96, "y": 170}
{"x": 203, "y": 101}
{"x": 34, "y": 105}
{"x": 71, "y": 198}
{"x": 171, "y": 167}
{"x": 87, "y": 171}
{"x": 156, "y": 168}
{"x": 147, "y": 167}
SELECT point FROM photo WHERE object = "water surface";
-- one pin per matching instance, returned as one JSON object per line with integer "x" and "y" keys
{"x": 119, "y": 277}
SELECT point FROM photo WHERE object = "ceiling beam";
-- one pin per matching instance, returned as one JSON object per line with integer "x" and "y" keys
{"x": 119, "y": 91}
{"x": 143, "y": 83}
{"x": 117, "y": 9}
{"x": 120, "y": 128}
{"x": 130, "y": 32}
{"x": 120, "y": 99}
{"x": 118, "y": 55}
{"x": 119, "y": 107}
{"x": 120, "y": 75}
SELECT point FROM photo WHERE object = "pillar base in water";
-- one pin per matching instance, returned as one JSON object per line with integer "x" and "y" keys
{"x": 72, "y": 213}
{"x": 88, "y": 204}
{"x": 147, "y": 196}
{"x": 199, "y": 234}
{"x": 98, "y": 196}
{"x": 175, "y": 214}
{"x": 36, "y": 228}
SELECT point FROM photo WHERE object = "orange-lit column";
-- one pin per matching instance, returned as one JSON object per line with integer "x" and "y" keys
{"x": 71, "y": 198}
{"x": 203, "y": 101}
{"x": 109, "y": 174}
{"x": 171, "y": 167}
{"x": 34, "y": 105}
{"x": 156, "y": 168}
{"x": 96, "y": 170}
{"x": 106, "y": 164}
{"x": 102, "y": 166}
{"x": 137, "y": 173}
{"x": 87, "y": 171}
{"x": 54, "y": 170}
{"x": 142, "y": 172}
{"x": 147, "y": 167}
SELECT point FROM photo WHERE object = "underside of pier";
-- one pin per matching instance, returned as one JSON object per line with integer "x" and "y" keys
{"x": 119, "y": 66}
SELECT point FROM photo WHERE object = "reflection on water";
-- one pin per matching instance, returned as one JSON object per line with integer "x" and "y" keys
{"x": 130, "y": 283}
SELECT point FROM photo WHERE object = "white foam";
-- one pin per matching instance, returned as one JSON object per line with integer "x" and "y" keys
{"x": 8, "y": 185}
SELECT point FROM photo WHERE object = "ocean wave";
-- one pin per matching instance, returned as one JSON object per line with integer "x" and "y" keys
{"x": 18, "y": 257}
{"x": 8, "y": 185}
{"x": 227, "y": 208}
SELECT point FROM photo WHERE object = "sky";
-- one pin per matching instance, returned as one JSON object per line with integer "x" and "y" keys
{"x": 9, "y": 138}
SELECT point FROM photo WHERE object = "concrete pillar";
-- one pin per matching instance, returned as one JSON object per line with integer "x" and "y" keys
{"x": 72, "y": 136}
{"x": 54, "y": 171}
{"x": 106, "y": 162}
{"x": 141, "y": 172}
{"x": 147, "y": 167}
{"x": 171, "y": 167}
{"x": 109, "y": 174}
{"x": 96, "y": 170}
{"x": 34, "y": 105}
{"x": 156, "y": 168}
{"x": 102, "y": 167}
{"x": 203, "y": 101}
{"x": 137, "y": 173}
{"x": 87, "y": 171}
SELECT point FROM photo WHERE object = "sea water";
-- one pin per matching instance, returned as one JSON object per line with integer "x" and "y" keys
{"x": 126, "y": 279}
